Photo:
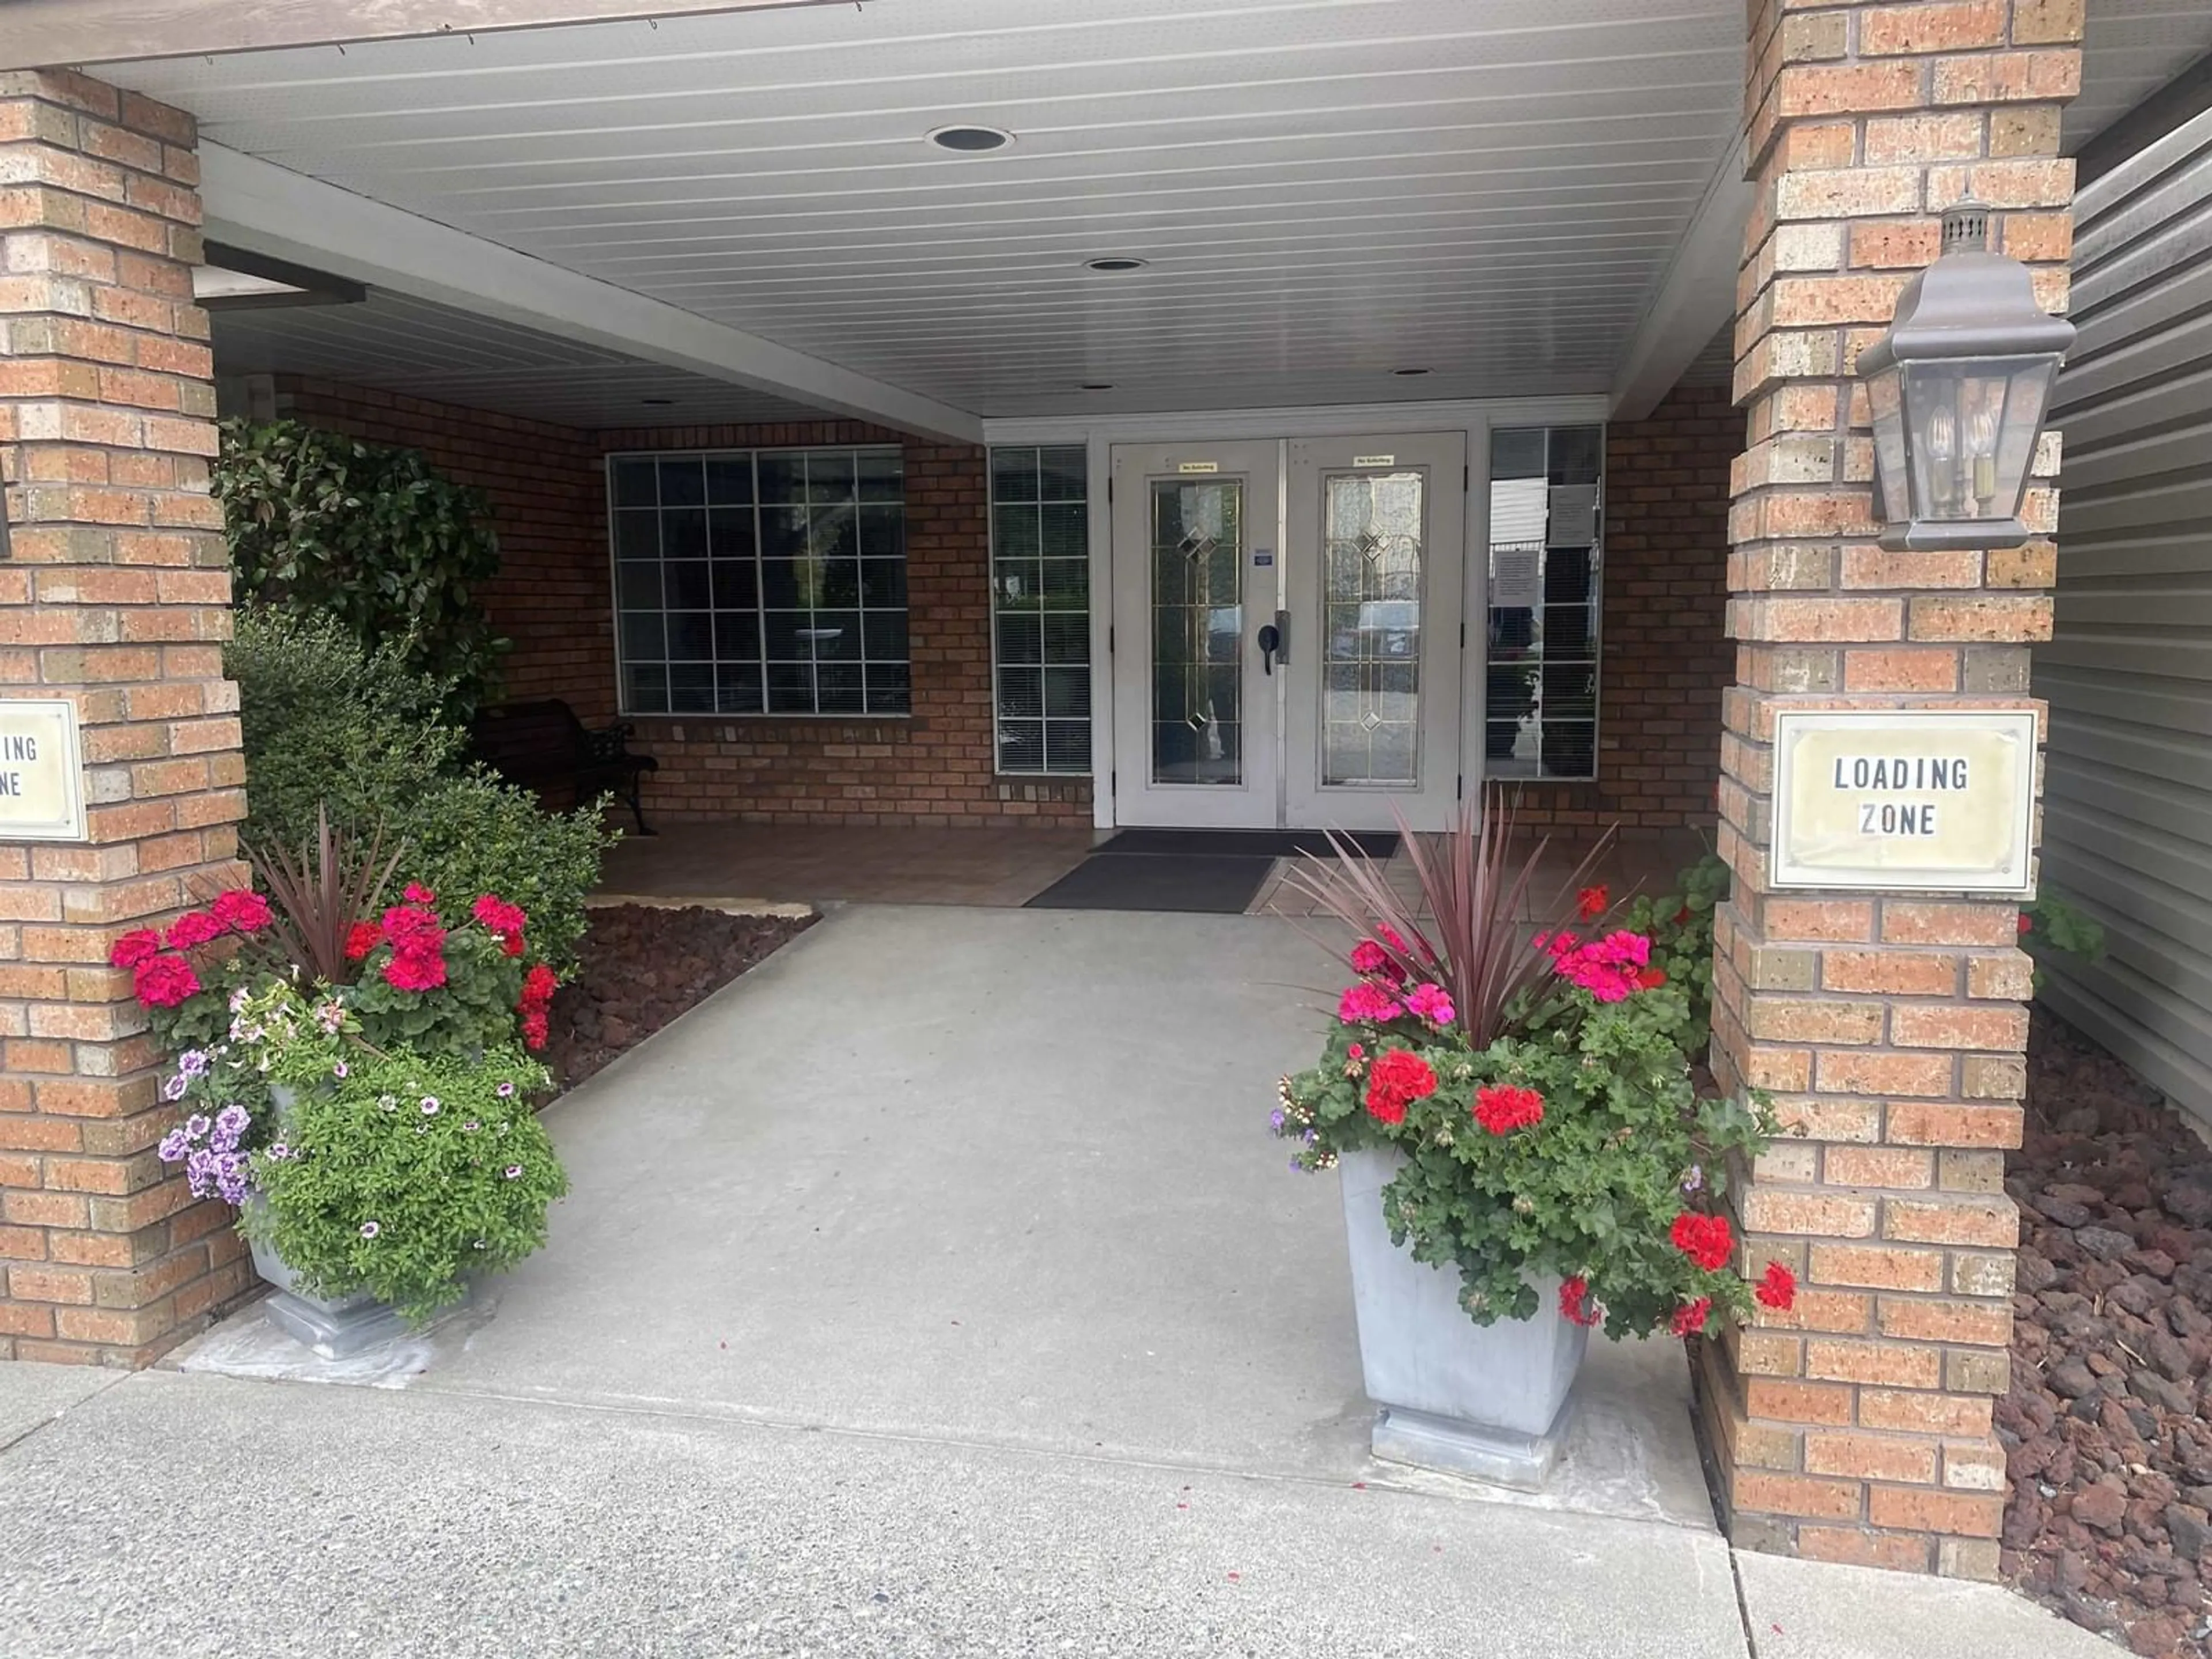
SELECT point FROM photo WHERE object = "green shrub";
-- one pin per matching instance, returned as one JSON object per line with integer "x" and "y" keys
{"x": 325, "y": 719}
{"x": 373, "y": 537}
{"x": 328, "y": 721}
{"x": 471, "y": 834}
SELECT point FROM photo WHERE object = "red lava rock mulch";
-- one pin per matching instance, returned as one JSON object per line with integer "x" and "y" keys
{"x": 2108, "y": 1449}
{"x": 642, "y": 966}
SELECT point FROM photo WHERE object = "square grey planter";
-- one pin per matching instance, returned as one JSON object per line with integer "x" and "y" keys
{"x": 1485, "y": 1401}
{"x": 336, "y": 1329}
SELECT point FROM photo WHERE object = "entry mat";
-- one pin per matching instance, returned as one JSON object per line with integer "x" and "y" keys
{"x": 1215, "y": 871}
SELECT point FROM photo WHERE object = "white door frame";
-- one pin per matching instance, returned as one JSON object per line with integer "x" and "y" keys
{"x": 1253, "y": 801}
{"x": 1438, "y": 644}
{"x": 1099, "y": 432}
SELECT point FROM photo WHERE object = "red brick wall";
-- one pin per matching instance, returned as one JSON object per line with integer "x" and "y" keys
{"x": 549, "y": 506}
{"x": 547, "y": 486}
{"x": 1666, "y": 656}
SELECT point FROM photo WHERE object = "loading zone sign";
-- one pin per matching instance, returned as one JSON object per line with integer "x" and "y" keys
{"x": 1908, "y": 800}
{"x": 41, "y": 771}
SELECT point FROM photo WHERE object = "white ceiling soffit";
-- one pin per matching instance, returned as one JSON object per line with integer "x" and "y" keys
{"x": 2131, "y": 48}
{"x": 1328, "y": 191}
{"x": 449, "y": 356}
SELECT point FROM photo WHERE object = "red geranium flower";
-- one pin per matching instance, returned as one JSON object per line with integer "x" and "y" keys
{"x": 416, "y": 966}
{"x": 1778, "y": 1289}
{"x": 539, "y": 986}
{"x": 361, "y": 938}
{"x": 1501, "y": 1107}
{"x": 241, "y": 909}
{"x": 1690, "y": 1317}
{"x": 139, "y": 945}
{"x": 497, "y": 916}
{"x": 2027, "y": 922}
{"x": 1575, "y": 1301}
{"x": 534, "y": 1029}
{"x": 1592, "y": 902}
{"x": 164, "y": 982}
{"x": 1706, "y": 1239}
{"x": 194, "y": 927}
{"x": 1398, "y": 1077}
{"x": 1650, "y": 979}
{"x": 1681, "y": 916}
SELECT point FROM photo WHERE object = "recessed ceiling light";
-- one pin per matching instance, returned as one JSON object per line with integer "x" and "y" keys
{"x": 656, "y": 403}
{"x": 1097, "y": 386}
{"x": 970, "y": 140}
{"x": 1115, "y": 261}
{"x": 1408, "y": 374}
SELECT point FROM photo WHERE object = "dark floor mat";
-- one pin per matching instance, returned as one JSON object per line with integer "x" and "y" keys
{"x": 1246, "y": 844}
{"x": 1223, "y": 884}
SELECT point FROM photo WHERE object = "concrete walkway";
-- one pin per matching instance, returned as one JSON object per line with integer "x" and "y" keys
{"x": 936, "y": 1290}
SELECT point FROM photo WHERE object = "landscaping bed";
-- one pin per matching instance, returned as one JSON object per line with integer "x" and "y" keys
{"x": 642, "y": 966}
{"x": 2106, "y": 1426}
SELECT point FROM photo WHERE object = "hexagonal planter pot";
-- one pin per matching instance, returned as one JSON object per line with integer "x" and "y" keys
{"x": 1489, "y": 1401}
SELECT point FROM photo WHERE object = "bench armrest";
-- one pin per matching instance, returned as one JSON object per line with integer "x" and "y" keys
{"x": 608, "y": 743}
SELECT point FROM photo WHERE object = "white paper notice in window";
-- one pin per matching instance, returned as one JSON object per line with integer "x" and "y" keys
{"x": 1516, "y": 577}
{"x": 1574, "y": 515}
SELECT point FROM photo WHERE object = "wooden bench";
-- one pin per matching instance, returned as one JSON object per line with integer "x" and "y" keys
{"x": 543, "y": 746}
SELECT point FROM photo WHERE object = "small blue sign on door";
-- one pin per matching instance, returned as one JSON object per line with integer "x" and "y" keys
{"x": 1263, "y": 556}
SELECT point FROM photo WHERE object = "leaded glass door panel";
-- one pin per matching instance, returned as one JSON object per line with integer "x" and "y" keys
{"x": 1376, "y": 541}
{"x": 1196, "y": 578}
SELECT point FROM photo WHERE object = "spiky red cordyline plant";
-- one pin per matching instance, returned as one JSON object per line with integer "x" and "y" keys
{"x": 1485, "y": 909}
{"x": 319, "y": 893}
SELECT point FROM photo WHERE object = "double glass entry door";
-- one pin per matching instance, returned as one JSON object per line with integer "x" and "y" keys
{"x": 1288, "y": 643}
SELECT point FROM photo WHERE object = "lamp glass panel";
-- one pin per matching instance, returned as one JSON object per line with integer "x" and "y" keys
{"x": 1970, "y": 430}
{"x": 1885, "y": 400}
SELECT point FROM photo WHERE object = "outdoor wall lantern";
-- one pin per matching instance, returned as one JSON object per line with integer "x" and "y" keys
{"x": 1959, "y": 387}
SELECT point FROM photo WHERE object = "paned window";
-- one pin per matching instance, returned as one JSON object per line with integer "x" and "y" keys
{"x": 1041, "y": 607}
{"x": 761, "y": 581}
{"x": 1546, "y": 509}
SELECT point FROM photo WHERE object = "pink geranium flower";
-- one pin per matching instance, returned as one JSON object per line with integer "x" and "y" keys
{"x": 1367, "y": 1005}
{"x": 1431, "y": 1003}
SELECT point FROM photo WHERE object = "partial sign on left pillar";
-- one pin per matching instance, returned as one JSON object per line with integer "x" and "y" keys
{"x": 41, "y": 771}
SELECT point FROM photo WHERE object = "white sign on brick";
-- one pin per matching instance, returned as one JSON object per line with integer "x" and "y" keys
{"x": 41, "y": 771}
{"x": 1905, "y": 800}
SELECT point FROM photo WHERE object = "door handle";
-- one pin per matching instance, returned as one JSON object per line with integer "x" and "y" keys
{"x": 1274, "y": 642}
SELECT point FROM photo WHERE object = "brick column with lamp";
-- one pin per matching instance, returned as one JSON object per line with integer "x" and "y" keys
{"x": 1888, "y": 1025}
{"x": 114, "y": 603}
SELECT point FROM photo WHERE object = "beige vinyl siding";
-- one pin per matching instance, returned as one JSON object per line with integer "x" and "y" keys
{"x": 2128, "y": 815}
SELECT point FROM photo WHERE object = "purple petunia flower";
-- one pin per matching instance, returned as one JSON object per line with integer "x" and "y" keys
{"x": 196, "y": 1125}
{"x": 505, "y": 1092}
{"x": 280, "y": 1149}
{"x": 174, "y": 1145}
{"x": 514, "y": 1171}
{"x": 172, "y": 1088}
{"x": 193, "y": 1062}
{"x": 232, "y": 1121}
{"x": 1695, "y": 1180}
{"x": 1275, "y": 1120}
{"x": 430, "y": 1105}
{"x": 471, "y": 1126}
{"x": 341, "y": 1070}
{"x": 370, "y": 1229}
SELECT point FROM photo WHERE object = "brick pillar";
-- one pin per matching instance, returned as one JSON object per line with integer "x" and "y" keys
{"x": 1889, "y": 1029}
{"x": 116, "y": 597}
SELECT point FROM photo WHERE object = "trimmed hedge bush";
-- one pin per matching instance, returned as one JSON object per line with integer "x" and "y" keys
{"x": 328, "y": 721}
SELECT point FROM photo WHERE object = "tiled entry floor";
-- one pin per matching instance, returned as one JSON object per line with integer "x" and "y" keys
{"x": 742, "y": 864}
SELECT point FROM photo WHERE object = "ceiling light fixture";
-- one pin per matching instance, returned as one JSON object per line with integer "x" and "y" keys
{"x": 970, "y": 140}
{"x": 1408, "y": 374}
{"x": 1113, "y": 263}
{"x": 1097, "y": 386}
{"x": 656, "y": 403}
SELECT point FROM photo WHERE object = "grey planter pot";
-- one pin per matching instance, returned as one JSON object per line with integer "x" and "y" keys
{"x": 1491, "y": 1401}
{"x": 334, "y": 1329}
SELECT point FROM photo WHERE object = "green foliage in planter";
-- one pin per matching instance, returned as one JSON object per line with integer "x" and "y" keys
{"x": 327, "y": 721}
{"x": 1590, "y": 1190}
{"x": 1679, "y": 925}
{"x": 407, "y": 1175}
{"x": 374, "y": 535}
